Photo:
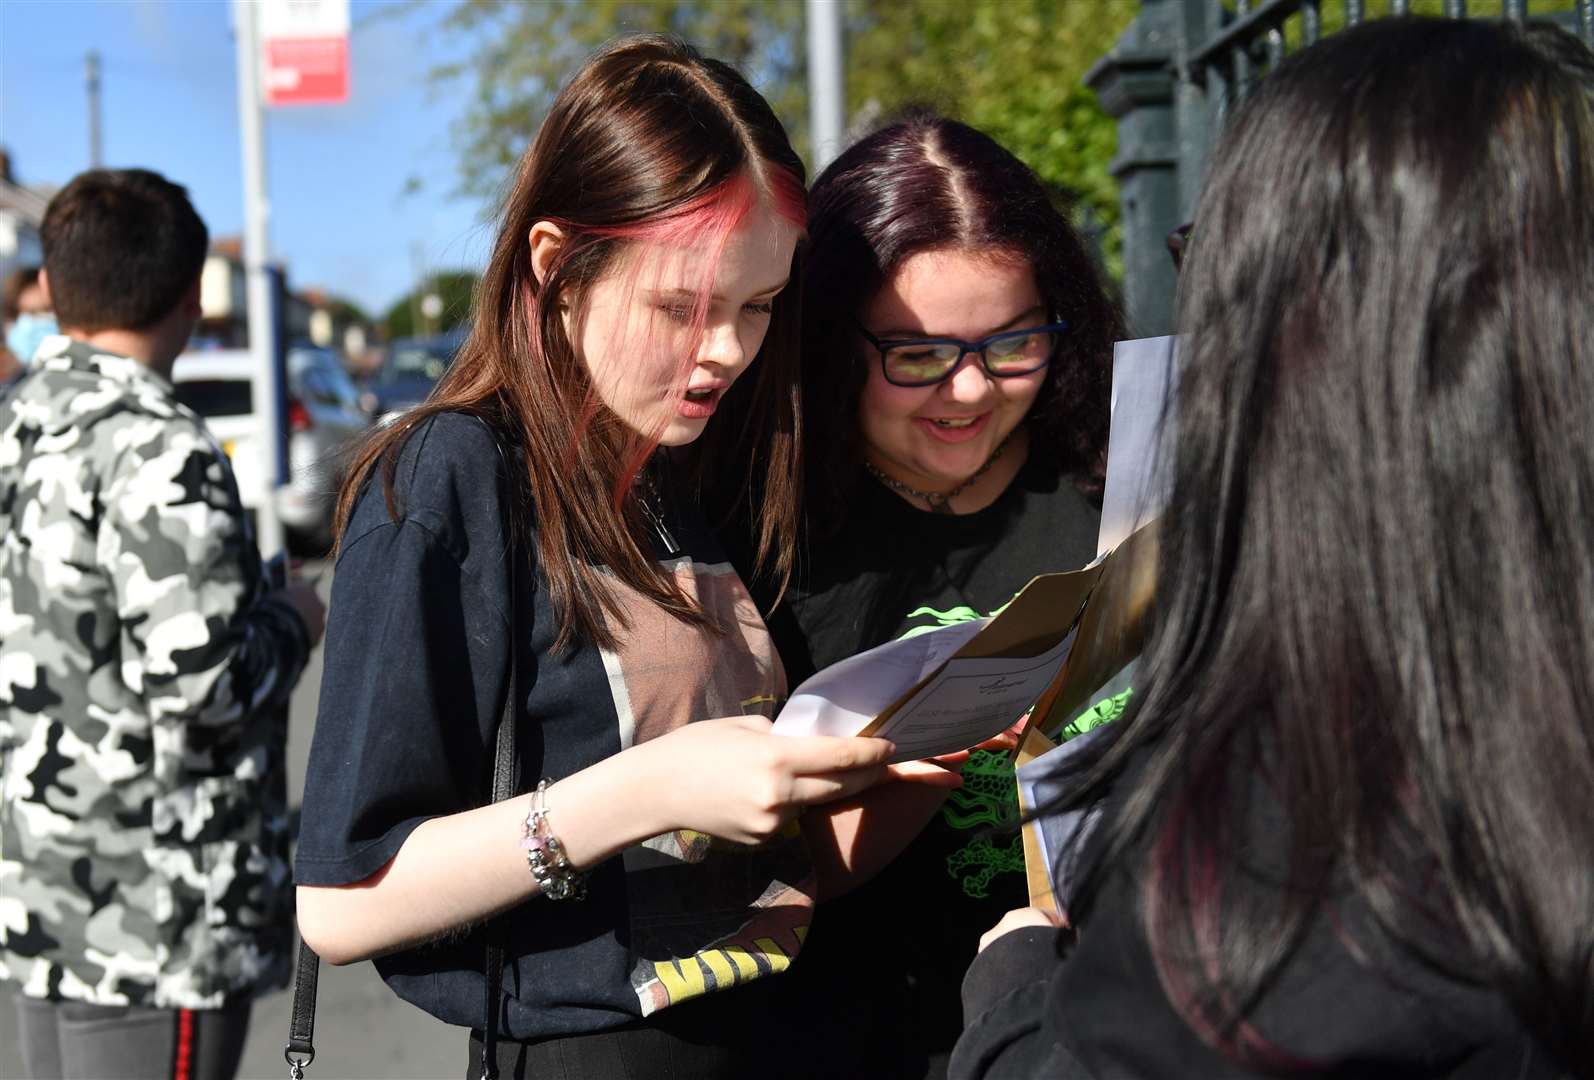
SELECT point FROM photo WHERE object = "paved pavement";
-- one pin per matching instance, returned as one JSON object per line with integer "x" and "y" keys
{"x": 362, "y": 1031}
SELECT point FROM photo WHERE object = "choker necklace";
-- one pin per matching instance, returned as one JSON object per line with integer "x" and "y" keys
{"x": 941, "y": 502}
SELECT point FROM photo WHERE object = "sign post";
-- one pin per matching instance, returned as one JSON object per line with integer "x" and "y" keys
{"x": 305, "y": 50}
{"x": 257, "y": 251}
{"x": 290, "y": 52}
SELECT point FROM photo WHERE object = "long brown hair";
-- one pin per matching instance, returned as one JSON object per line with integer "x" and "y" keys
{"x": 647, "y": 132}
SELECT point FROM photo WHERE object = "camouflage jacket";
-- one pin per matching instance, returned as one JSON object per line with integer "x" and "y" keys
{"x": 143, "y": 674}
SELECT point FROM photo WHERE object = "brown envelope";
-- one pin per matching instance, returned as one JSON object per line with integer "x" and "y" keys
{"x": 1035, "y": 874}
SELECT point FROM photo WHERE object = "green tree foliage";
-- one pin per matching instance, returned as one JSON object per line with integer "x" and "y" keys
{"x": 1014, "y": 68}
{"x": 346, "y": 310}
{"x": 519, "y": 53}
{"x": 1011, "y": 67}
{"x": 405, "y": 317}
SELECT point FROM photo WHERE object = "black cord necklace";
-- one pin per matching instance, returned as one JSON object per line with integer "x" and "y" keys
{"x": 941, "y": 502}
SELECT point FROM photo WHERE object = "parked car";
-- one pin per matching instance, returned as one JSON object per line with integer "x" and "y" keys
{"x": 321, "y": 415}
{"x": 411, "y": 369}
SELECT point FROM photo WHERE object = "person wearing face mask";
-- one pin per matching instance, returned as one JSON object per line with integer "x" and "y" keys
{"x": 146, "y": 671}
{"x": 957, "y": 346}
{"x": 25, "y": 307}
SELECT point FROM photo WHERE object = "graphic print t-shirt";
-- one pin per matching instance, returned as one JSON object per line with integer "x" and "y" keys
{"x": 417, "y": 665}
{"x": 895, "y": 571}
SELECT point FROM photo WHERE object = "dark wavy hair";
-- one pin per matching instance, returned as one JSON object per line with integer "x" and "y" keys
{"x": 1376, "y": 579}
{"x": 17, "y": 282}
{"x": 926, "y": 183}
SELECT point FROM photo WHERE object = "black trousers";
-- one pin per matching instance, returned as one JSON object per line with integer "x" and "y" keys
{"x": 777, "y": 1028}
{"x": 68, "y": 1040}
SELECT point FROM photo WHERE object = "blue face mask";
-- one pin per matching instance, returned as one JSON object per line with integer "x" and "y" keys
{"x": 27, "y": 332}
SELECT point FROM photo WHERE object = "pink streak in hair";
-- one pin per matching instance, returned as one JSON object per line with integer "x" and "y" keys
{"x": 787, "y": 196}
{"x": 1186, "y": 869}
{"x": 707, "y": 223}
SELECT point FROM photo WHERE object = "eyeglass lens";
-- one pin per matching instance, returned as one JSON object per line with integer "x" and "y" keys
{"x": 921, "y": 363}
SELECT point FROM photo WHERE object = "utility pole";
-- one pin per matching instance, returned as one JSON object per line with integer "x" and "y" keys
{"x": 91, "y": 74}
{"x": 257, "y": 252}
{"x": 418, "y": 268}
{"x": 827, "y": 82}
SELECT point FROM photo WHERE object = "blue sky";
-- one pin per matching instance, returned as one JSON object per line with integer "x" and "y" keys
{"x": 336, "y": 175}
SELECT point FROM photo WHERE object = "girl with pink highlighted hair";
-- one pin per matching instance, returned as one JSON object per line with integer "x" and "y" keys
{"x": 526, "y": 545}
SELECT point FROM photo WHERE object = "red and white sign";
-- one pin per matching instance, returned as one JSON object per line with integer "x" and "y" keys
{"x": 304, "y": 51}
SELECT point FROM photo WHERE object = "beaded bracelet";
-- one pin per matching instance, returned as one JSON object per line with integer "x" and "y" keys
{"x": 545, "y": 855}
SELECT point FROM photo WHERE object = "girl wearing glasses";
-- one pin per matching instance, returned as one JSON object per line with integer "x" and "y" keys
{"x": 956, "y": 363}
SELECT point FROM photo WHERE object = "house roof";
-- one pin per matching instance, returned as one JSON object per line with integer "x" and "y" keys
{"x": 26, "y": 203}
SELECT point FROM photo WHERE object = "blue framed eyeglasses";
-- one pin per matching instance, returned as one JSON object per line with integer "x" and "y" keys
{"x": 927, "y": 361}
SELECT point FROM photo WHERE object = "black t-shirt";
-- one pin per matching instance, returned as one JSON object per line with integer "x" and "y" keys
{"x": 417, "y": 651}
{"x": 892, "y": 571}
{"x": 895, "y": 570}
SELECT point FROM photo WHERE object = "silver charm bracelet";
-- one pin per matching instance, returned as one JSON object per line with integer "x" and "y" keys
{"x": 545, "y": 855}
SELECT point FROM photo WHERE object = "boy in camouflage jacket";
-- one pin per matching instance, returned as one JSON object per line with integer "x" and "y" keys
{"x": 144, "y": 667}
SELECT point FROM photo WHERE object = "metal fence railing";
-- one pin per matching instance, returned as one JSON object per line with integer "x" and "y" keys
{"x": 1172, "y": 79}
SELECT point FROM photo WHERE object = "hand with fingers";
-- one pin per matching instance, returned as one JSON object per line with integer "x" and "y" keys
{"x": 1019, "y": 918}
{"x": 731, "y": 778}
{"x": 935, "y": 771}
{"x": 853, "y": 838}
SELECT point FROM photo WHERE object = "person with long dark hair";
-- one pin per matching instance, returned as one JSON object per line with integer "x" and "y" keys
{"x": 957, "y": 344}
{"x": 528, "y": 529}
{"x": 1348, "y": 820}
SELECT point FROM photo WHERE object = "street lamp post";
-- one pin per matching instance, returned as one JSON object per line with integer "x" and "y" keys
{"x": 827, "y": 81}
{"x": 91, "y": 77}
{"x": 257, "y": 251}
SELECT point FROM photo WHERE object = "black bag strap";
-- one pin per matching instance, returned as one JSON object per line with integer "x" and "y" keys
{"x": 503, "y": 772}
{"x": 300, "y": 1049}
{"x": 503, "y": 788}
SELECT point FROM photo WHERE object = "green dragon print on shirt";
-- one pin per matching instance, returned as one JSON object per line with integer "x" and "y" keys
{"x": 989, "y": 795}
{"x": 987, "y": 798}
{"x": 949, "y": 617}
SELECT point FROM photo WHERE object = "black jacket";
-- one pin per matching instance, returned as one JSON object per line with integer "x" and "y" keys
{"x": 1043, "y": 1003}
